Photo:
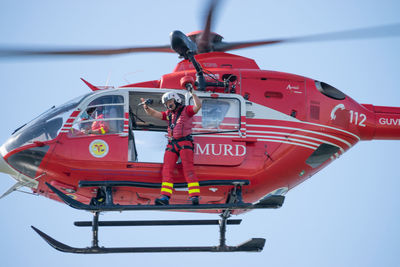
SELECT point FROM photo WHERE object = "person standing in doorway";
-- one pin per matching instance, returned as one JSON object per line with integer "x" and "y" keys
{"x": 180, "y": 144}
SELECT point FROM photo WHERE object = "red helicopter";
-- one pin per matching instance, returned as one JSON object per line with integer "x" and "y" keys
{"x": 253, "y": 124}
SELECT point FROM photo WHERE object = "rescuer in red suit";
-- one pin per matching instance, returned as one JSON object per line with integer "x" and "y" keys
{"x": 180, "y": 143}
{"x": 100, "y": 126}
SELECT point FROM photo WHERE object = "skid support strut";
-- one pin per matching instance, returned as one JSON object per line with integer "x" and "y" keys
{"x": 222, "y": 232}
{"x": 95, "y": 230}
{"x": 234, "y": 197}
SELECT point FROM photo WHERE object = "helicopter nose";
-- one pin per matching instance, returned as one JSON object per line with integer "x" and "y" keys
{"x": 5, "y": 168}
{"x": 21, "y": 179}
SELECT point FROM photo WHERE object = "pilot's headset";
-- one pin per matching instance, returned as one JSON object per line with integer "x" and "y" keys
{"x": 171, "y": 95}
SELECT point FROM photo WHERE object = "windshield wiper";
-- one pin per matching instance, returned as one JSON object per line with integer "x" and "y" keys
{"x": 19, "y": 128}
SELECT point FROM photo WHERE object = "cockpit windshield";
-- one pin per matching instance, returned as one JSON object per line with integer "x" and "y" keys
{"x": 43, "y": 128}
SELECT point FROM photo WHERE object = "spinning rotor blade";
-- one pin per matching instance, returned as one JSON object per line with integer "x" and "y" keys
{"x": 391, "y": 30}
{"x": 20, "y": 52}
{"x": 204, "y": 41}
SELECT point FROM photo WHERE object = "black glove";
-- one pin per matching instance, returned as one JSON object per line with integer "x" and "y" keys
{"x": 189, "y": 87}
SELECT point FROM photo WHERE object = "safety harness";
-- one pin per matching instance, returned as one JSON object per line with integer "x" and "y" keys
{"x": 172, "y": 142}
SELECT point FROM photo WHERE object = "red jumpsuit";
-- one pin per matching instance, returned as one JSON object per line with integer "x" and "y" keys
{"x": 101, "y": 126}
{"x": 180, "y": 144}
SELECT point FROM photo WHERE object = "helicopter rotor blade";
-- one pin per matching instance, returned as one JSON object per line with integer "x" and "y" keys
{"x": 390, "y": 30}
{"x": 21, "y": 52}
{"x": 204, "y": 41}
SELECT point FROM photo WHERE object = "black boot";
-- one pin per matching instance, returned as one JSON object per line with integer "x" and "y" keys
{"x": 195, "y": 200}
{"x": 162, "y": 200}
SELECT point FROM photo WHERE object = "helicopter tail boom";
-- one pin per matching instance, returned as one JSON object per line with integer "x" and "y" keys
{"x": 387, "y": 122}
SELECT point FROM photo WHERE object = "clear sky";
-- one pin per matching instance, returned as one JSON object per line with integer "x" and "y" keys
{"x": 346, "y": 215}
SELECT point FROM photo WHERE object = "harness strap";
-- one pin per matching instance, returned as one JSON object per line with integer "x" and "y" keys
{"x": 175, "y": 142}
{"x": 185, "y": 138}
{"x": 171, "y": 124}
{"x": 172, "y": 149}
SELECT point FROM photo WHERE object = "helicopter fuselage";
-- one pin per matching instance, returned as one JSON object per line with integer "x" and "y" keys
{"x": 272, "y": 129}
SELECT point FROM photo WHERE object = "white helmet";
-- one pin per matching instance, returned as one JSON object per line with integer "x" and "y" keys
{"x": 171, "y": 95}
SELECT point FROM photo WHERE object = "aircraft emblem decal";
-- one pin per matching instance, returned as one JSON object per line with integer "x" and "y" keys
{"x": 98, "y": 148}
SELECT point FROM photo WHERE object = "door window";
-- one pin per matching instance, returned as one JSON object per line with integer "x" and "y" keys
{"x": 217, "y": 115}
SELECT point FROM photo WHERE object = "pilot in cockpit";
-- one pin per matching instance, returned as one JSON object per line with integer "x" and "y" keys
{"x": 99, "y": 126}
{"x": 85, "y": 116}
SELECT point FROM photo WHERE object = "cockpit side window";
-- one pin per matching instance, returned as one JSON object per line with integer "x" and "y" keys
{"x": 104, "y": 115}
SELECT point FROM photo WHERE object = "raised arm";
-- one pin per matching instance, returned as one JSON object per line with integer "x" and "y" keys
{"x": 152, "y": 112}
{"x": 197, "y": 103}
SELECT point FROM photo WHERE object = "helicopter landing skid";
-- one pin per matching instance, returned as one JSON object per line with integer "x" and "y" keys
{"x": 234, "y": 202}
{"x": 252, "y": 245}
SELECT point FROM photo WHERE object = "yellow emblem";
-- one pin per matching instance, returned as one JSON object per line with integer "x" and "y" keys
{"x": 98, "y": 148}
